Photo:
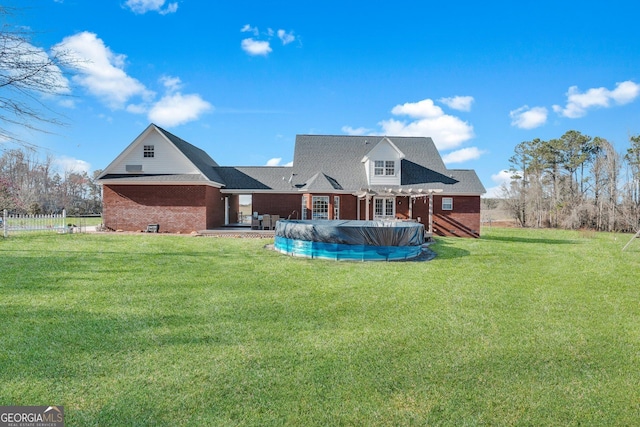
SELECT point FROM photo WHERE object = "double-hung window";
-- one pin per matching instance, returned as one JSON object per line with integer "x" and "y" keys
{"x": 384, "y": 168}
{"x": 447, "y": 203}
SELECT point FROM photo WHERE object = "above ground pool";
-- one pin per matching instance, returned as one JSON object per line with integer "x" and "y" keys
{"x": 350, "y": 240}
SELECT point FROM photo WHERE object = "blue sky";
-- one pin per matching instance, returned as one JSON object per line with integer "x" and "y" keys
{"x": 241, "y": 79}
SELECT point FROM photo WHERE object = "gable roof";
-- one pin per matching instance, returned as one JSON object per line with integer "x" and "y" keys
{"x": 339, "y": 157}
{"x": 197, "y": 157}
{"x": 384, "y": 141}
{"x": 322, "y": 163}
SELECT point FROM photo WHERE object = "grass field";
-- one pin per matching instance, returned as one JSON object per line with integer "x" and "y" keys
{"x": 519, "y": 327}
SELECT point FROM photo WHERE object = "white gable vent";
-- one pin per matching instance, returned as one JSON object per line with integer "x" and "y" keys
{"x": 134, "y": 168}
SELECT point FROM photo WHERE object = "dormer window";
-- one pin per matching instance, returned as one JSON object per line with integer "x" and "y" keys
{"x": 384, "y": 168}
{"x": 148, "y": 151}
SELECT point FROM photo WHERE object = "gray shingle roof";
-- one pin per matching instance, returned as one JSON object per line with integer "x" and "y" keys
{"x": 326, "y": 163}
{"x": 198, "y": 157}
{"x": 339, "y": 158}
{"x": 256, "y": 177}
{"x": 158, "y": 178}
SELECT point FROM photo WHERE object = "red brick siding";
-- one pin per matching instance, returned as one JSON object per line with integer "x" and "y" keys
{"x": 462, "y": 221}
{"x": 177, "y": 208}
{"x": 187, "y": 208}
{"x": 277, "y": 204}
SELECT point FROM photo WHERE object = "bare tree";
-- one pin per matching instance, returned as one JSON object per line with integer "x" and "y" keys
{"x": 28, "y": 75}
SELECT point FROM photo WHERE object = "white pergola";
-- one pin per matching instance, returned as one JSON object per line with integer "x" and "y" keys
{"x": 413, "y": 194}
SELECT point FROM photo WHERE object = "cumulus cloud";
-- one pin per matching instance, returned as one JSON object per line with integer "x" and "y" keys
{"x": 249, "y": 29}
{"x": 579, "y": 102}
{"x": 499, "y": 180}
{"x": 70, "y": 164}
{"x": 276, "y": 162}
{"x": 144, "y": 6}
{"x": 462, "y": 155}
{"x": 285, "y": 37}
{"x": 460, "y": 103}
{"x": 101, "y": 71}
{"x": 175, "y": 109}
{"x": 256, "y": 47}
{"x": 429, "y": 120}
{"x": 52, "y": 77}
{"x": 260, "y": 43}
{"x": 355, "y": 131}
{"x": 528, "y": 118}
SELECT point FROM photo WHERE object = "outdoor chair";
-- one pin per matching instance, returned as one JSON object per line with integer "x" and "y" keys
{"x": 266, "y": 222}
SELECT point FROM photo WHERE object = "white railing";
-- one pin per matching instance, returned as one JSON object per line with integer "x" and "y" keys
{"x": 13, "y": 223}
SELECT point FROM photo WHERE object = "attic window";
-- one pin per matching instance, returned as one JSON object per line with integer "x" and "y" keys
{"x": 148, "y": 151}
{"x": 384, "y": 168}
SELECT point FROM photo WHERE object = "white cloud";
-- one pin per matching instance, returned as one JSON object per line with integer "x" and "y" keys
{"x": 256, "y": 47}
{"x": 276, "y": 162}
{"x": 69, "y": 164}
{"x": 172, "y": 84}
{"x": 578, "y": 103}
{"x": 461, "y": 103}
{"x": 499, "y": 179}
{"x": 249, "y": 29}
{"x": 528, "y": 118}
{"x": 447, "y": 131}
{"x": 175, "y": 109}
{"x": 144, "y": 6}
{"x": 355, "y": 131}
{"x": 51, "y": 75}
{"x": 462, "y": 155}
{"x": 100, "y": 71}
{"x": 285, "y": 37}
{"x": 421, "y": 109}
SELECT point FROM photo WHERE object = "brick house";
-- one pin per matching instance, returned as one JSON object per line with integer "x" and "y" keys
{"x": 162, "y": 179}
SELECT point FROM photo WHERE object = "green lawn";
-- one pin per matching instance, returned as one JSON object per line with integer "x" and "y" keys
{"x": 520, "y": 327}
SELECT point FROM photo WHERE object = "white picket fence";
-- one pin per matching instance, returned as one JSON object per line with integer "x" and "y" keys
{"x": 13, "y": 223}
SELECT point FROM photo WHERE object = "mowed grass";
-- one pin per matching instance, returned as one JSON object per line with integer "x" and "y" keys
{"x": 519, "y": 327}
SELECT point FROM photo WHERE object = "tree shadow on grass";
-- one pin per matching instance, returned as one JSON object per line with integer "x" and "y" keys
{"x": 446, "y": 250}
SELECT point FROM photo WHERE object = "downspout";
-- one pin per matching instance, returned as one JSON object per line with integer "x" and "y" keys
{"x": 431, "y": 213}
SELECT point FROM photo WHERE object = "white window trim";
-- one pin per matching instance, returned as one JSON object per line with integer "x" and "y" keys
{"x": 303, "y": 208}
{"x": 316, "y": 214}
{"x": 386, "y": 215}
{"x": 336, "y": 207}
{"x": 382, "y": 167}
{"x": 447, "y": 203}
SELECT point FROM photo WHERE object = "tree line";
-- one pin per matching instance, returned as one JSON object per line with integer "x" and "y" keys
{"x": 575, "y": 181}
{"x": 29, "y": 185}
